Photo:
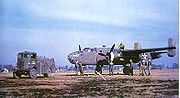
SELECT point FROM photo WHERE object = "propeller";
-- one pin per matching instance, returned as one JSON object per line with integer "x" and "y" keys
{"x": 108, "y": 54}
{"x": 112, "y": 48}
{"x": 79, "y": 48}
{"x": 109, "y": 58}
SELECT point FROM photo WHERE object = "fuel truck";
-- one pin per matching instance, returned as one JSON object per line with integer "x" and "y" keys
{"x": 29, "y": 64}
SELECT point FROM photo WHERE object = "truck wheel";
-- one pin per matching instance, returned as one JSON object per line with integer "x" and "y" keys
{"x": 33, "y": 73}
{"x": 48, "y": 74}
{"x": 16, "y": 75}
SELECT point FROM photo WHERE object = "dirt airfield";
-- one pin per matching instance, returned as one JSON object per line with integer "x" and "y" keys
{"x": 162, "y": 83}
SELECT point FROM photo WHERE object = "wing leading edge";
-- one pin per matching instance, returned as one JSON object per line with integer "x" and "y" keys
{"x": 147, "y": 50}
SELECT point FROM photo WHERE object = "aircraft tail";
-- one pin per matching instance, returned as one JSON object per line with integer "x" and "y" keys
{"x": 137, "y": 46}
{"x": 171, "y": 52}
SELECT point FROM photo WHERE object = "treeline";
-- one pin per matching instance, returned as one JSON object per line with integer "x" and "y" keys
{"x": 10, "y": 67}
{"x": 117, "y": 67}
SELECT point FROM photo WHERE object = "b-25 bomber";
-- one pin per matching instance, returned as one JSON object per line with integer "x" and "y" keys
{"x": 119, "y": 56}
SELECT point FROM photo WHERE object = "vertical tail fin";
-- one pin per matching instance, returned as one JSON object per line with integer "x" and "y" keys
{"x": 79, "y": 48}
{"x": 137, "y": 46}
{"x": 171, "y": 44}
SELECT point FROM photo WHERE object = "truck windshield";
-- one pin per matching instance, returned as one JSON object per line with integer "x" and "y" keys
{"x": 23, "y": 55}
{"x": 20, "y": 55}
{"x": 26, "y": 56}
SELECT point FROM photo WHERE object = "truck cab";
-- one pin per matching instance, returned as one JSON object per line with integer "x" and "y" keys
{"x": 26, "y": 60}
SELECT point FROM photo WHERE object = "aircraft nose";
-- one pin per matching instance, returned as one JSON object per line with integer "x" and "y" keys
{"x": 70, "y": 58}
{"x": 73, "y": 57}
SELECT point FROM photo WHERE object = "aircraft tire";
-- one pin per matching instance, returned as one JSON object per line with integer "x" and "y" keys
{"x": 99, "y": 69}
{"x": 126, "y": 70}
{"x": 33, "y": 73}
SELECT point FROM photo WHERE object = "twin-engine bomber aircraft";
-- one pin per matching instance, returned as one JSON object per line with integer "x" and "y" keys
{"x": 120, "y": 56}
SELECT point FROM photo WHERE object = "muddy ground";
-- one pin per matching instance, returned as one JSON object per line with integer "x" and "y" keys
{"x": 162, "y": 83}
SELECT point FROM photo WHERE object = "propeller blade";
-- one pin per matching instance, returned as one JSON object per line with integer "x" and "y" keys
{"x": 112, "y": 48}
{"x": 79, "y": 48}
{"x": 101, "y": 54}
{"x": 107, "y": 57}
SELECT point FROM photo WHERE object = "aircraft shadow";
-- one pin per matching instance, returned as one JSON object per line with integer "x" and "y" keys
{"x": 87, "y": 74}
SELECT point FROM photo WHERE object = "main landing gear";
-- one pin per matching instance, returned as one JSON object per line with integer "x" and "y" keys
{"x": 79, "y": 68}
{"x": 98, "y": 69}
{"x": 128, "y": 69}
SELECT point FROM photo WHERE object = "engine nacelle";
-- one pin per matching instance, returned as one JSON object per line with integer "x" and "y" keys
{"x": 171, "y": 52}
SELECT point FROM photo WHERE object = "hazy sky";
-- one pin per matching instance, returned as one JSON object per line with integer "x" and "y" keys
{"x": 55, "y": 28}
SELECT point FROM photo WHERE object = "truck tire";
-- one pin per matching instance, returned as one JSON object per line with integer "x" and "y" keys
{"x": 33, "y": 73}
{"x": 48, "y": 74}
{"x": 16, "y": 75}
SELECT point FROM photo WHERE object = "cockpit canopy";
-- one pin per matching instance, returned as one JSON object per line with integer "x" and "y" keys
{"x": 89, "y": 50}
{"x": 75, "y": 54}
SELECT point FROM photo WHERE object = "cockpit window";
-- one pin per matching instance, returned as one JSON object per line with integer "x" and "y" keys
{"x": 75, "y": 54}
{"x": 89, "y": 50}
{"x": 86, "y": 49}
{"x": 93, "y": 50}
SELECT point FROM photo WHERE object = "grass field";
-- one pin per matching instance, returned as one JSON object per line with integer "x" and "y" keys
{"x": 162, "y": 83}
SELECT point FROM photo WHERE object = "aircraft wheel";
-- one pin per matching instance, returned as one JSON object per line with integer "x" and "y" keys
{"x": 16, "y": 75}
{"x": 33, "y": 73}
{"x": 126, "y": 70}
{"x": 99, "y": 69}
{"x": 48, "y": 74}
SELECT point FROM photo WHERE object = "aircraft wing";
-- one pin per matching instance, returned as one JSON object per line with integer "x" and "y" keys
{"x": 147, "y": 50}
{"x": 170, "y": 49}
{"x": 154, "y": 52}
